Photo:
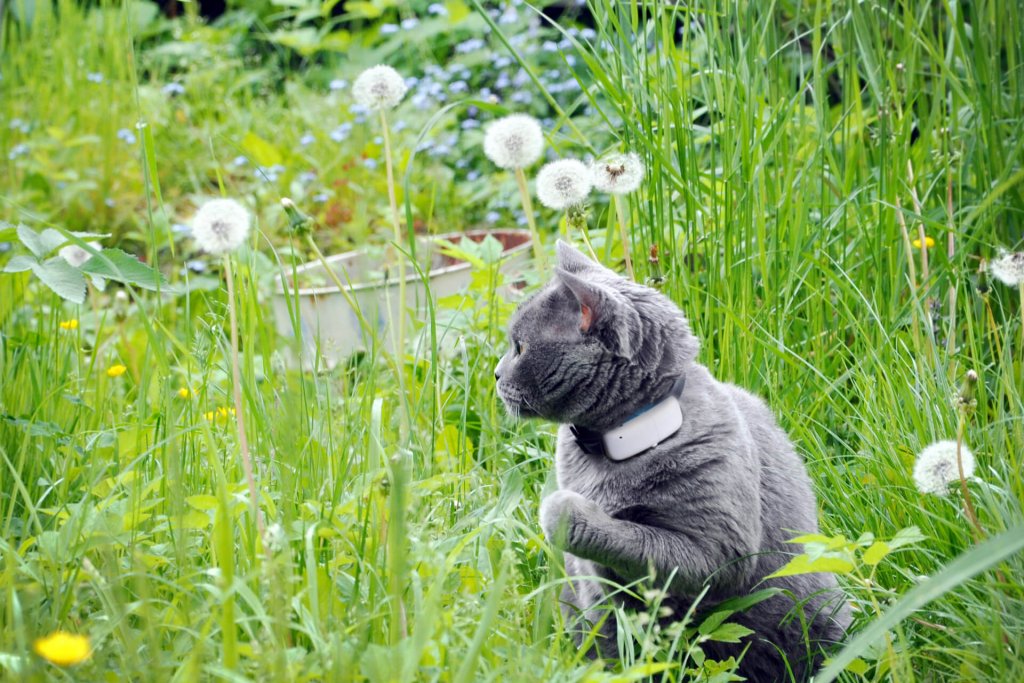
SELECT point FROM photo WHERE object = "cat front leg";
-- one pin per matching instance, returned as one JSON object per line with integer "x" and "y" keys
{"x": 724, "y": 554}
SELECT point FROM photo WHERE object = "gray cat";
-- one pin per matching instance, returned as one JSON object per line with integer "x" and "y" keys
{"x": 712, "y": 504}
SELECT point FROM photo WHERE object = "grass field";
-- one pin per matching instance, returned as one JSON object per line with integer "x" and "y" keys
{"x": 794, "y": 153}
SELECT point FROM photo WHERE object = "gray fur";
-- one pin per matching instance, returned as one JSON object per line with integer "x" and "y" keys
{"x": 712, "y": 505}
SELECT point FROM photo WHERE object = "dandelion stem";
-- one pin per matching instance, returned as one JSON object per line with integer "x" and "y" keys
{"x": 399, "y": 340}
{"x": 965, "y": 403}
{"x": 243, "y": 440}
{"x": 399, "y": 337}
{"x": 620, "y": 211}
{"x": 524, "y": 196}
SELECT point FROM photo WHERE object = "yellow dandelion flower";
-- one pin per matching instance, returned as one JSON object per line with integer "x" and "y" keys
{"x": 184, "y": 392}
{"x": 221, "y": 414}
{"x": 63, "y": 649}
{"x": 928, "y": 243}
{"x": 116, "y": 370}
{"x": 69, "y": 324}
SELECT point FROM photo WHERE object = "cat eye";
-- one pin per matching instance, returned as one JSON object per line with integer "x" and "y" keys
{"x": 518, "y": 347}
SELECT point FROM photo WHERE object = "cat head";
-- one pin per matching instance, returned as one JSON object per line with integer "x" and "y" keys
{"x": 592, "y": 346}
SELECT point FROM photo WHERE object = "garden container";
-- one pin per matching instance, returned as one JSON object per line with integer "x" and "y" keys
{"x": 328, "y": 321}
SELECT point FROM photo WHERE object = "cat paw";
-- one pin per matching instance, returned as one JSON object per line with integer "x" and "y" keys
{"x": 560, "y": 515}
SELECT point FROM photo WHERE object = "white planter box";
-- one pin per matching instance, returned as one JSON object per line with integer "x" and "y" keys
{"x": 328, "y": 321}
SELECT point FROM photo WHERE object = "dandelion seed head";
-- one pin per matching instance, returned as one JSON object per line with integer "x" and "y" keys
{"x": 220, "y": 226}
{"x": 76, "y": 256}
{"x": 1009, "y": 268}
{"x": 618, "y": 174}
{"x": 936, "y": 467}
{"x": 379, "y": 87}
{"x": 515, "y": 141}
{"x": 563, "y": 184}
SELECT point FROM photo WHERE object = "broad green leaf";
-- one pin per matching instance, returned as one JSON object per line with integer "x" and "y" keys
{"x": 713, "y": 622}
{"x": 62, "y": 278}
{"x": 729, "y": 633}
{"x": 19, "y": 263}
{"x": 876, "y": 553}
{"x": 643, "y": 670}
{"x": 906, "y": 537}
{"x": 262, "y": 152}
{"x": 802, "y": 564}
{"x": 202, "y": 501}
{"x": 114, "y": 264}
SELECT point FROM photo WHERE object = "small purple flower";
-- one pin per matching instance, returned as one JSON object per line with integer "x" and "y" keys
{"x": 358, "y": 109}
{"x": 196, "y": 265}
{"x": 370, "y": 163}
{"x": 410, "y": 23}
{"x": 181, "y": 229}
{"x": 411, "y": 81}
{"x": 470, "y": 124}
{"x": 388, "y": 29}
{"x": 307, "y": 139}
{"x": 549, "y": 46}
{"x": 307, "y": 177}
{"x": 17, "y": 151}
{"x": 522, "y": 97}
{"x": 510, "y": 16}
{"x": 502, "y": 61}
{"x": 94, "y": 77}
{"x": 492, "y": 217}
{"x": 109, "y": 202}
{"x": 458, "y": 87}
{"x": 125, "y": 135}
{"x": 239, "y": 161}
{"x": 399, "y": 126}
{"x": 321, "y": 198}
{"x": 172, "y": 89}
{"x": 437, "y": 9}
{"x": 338, "y": 84}
{"x": 473, "y": 175}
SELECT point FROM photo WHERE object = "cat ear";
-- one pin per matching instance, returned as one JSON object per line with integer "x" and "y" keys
{"x": 571, "y": 259}
{"x": 605, "y": 314}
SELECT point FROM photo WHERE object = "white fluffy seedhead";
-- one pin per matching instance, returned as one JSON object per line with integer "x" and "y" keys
{"x": 515, "y": 141}
{"x": 379, "y": 87}
{"x": 1009, "y": 269}
{"x": 936, "y": 467}
{"x": 563, "y": 184}
{"x": 75, "y": 255}
{"x": 220, "y": 226}
{"x": 618, "y": 174}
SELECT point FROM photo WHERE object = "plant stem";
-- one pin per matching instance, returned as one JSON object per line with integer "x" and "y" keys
{"x": 950, "y": 253}
{"x": 524, "y": 196}
{"x": 620, "y": 211}
{"x": 912, "y": 272}
{"x": 243, "y": 440}
{"x": 399, "y": 339}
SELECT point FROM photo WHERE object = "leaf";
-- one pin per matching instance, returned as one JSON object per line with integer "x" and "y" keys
{"x": 643, "y": 670}
{"x": 802, "y": 564}
{"x": 729, "y": 633}
{"x": 876, "y": 553}
{"x": 62, "y": 278}
{"x": 906, "y": 537}
{"x": 976, "y": 560}
{"x": 19, "y": 263}
{"x": 114, "y": 264}
{"x": 202, "y": 502}
{"x": 713, "y": 622}
{"x": 262, "y": 152}
{"x": 745, "y": 602}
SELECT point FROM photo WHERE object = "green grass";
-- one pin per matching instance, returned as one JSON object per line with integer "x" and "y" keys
{"x": 778, "y": 139}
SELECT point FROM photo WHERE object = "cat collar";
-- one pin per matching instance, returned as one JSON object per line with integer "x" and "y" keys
{"x": 644, "y": 430}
